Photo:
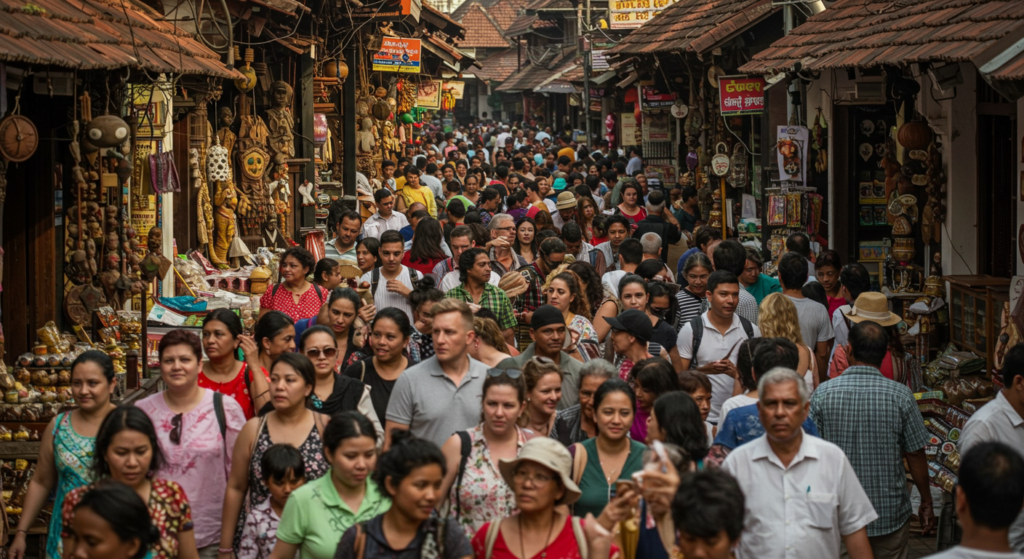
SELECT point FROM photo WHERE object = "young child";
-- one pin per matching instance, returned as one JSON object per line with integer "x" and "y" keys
{"x": 283, "y": 471}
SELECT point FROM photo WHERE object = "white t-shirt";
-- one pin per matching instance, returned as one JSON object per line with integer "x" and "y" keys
{"x": 610, "y": 280}
{"x": 383, "y": 299}
{"x": 451, "y": 280}
{"x": 740, "y": 401}
{"x": 961, "y": 552}
{"x": 815, "y": 324}
{"x": 713, "y": 347}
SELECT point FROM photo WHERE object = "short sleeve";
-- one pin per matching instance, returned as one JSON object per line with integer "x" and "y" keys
{"x": 855, "y": 510}
{"x": 506, "y": 318}
{"x": 684, "y": 342}
{"x": 913, "y": 436}
{"x": 400, "y": 407}
{"x": 727, "y": 431}
{"x": 825, "y": 332}
{"x": 456, "y": 545}
{"x": 292, "y": 527}
{"x": 267, "y": 300}
{"x": 346, "y": 546}
{"x": 67, "y": 513}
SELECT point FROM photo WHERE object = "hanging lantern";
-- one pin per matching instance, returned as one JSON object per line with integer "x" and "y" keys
{"x": 319, "y": 129}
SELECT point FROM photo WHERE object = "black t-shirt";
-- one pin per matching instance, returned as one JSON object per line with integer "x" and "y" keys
{"x": 665, "y": 335}
{"x": 380, "y": 389}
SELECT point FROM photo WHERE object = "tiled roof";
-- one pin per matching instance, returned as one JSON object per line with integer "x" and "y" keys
{"x": 499, "y": 66}
{"x": 852, "y": 33}
{"x": 525, "y": 23}
{"x": 481, "y": 30}
{"x": 506, "y": 11}
{"x": 442, "y": 21}
{"x": 549, "y": 5}
{"x": 101, "y": 35}
{"x": 458, "y": 13}
{"x": 695, "y": 25}
{"x": 530, "y": 76}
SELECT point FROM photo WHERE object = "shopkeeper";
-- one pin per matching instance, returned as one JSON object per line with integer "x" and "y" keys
{"x": 293, "y": 295}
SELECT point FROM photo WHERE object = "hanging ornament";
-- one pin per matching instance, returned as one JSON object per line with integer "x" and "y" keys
{"x": 248, "y": 82}
{"x": 865, "y": 151}
{"x": 106, "y": 131}
{"x": 217, "y": 168}
{"x": 407, "y": 118}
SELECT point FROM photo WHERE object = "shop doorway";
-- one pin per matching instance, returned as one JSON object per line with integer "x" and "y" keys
{"x": 997, "y": 208}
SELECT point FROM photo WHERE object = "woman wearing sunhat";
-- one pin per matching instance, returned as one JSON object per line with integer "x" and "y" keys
{"x": 540, "y": 478}
{"x": 898, "y": 364}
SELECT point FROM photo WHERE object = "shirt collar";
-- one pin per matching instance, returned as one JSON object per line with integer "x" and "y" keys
{"x": 763, "y": 450}
{"x": 735, "y": 322}
{"x": 1011, "y": 413}
{"x": 863, "y": 370}
{"x": 329, "y": 495}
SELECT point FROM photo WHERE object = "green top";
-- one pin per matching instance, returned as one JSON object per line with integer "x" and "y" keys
{"x": 764, "y": 286}
{"x": 596, "y": 492}
{"x": 315, "y": 516}
{"x": 465, "y": 201}
{"x": 492, "y": 298}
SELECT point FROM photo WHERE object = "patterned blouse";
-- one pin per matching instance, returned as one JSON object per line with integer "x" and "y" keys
{"x": 312, "y": 454}
{"x": 586, "y": 329}
{"x": 260, "y": 533}
{"x": 483, "y": 495}
{"x": 72, "y": 456}
{"x": 168, "y": 507}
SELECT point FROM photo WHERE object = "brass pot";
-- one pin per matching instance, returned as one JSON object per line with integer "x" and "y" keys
{"x": 903, "y": 249}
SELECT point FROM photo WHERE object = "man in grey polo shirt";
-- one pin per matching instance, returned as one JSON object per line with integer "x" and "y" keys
{"x": 441, "y": 395}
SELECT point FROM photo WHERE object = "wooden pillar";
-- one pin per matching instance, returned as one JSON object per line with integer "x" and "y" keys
{"x": 348, "y": 122}
{"x": 305, "y": 138}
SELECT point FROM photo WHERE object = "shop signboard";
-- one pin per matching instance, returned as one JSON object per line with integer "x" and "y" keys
{"x": 457, "y": 89}
{"x": 382, "y": 10}
{"x": 653, "y": 99}
{"x": 792, "y": 151}
{"x": 428, "y": 94}
{"x": 657, "y": 127}
{"x": 741, "y": 96}
{"x": 398, "y": 54}
{"x": 628, "y": 129}
{"x": 720, "y": 165}
{"x": 630, "y": 14}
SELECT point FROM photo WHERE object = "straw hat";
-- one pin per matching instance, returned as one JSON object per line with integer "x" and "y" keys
{"x": 873, "y": 307}
{"x": 513, "y": 284}
{"x": 548, "y": 453}
{"x": 566, "y": 201}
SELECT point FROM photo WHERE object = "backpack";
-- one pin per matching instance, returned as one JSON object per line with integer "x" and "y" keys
{"x": 437, "y": 528}
{"x": 375, "y": 279}
{"x": 697, "y": 324}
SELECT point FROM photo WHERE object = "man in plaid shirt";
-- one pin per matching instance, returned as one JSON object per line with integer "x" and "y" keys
{"x": 475, "y": 271}
{"x": 876, "y": 422}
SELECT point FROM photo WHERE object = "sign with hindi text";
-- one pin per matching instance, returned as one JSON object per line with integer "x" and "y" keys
{"x": 630, "y": 14}
{"x": 741, "y": 96}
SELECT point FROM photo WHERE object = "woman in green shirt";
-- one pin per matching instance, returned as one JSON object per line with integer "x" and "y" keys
{"x": 610, "y": 456}
{"x": 320, "y": 511}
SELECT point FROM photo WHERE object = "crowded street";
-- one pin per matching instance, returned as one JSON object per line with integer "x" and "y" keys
{"x": 511, "y": 279}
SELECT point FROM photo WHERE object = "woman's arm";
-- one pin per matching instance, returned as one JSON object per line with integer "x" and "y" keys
{"x": 187, "y": 545}
{"x": 39, "y": 488}
{"x": 365, "y": 407}
{"x": 260, "y": 385}
{"x": 600, "y": 324}
{"x": 452, "y": 450}
{"x": 238, "y": 484}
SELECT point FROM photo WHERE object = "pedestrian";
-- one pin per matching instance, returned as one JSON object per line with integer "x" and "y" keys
{"x": 877, "y": 448}
{"x": 686, "y": 209}
{"x": 440, "y": 395}
{"x": 611, "y": 455}
{"x": 489, "y": 345}
{"x": 565, "y": 294}
{"x": 779, "y": 319}
{"x": 319, "y": 510}
{"x": 731, "y": 256}
{"x": 274, "y": 335}
{"x": 630, "y": 208}
{"x": 475, "y": 288}
{"x": 368, "y": 254}
{"x": 327, "y": 274}
{"x": 676, "y": 420}
{"x": 246, "y": 381}
{"x": 391, "y": 284}
{"x": 283, "y": 471}
{"x": 474, "y": 490}
{"x": 197, "y": 428}
{"x": 127, "y": 451}
{"x": 346, "y": 227}
{"x": 651, "y": 379}
{"x": 757, "y": 283}
{"x": 636, "y": 294}
{"x": 711, "y": 341}
{"x": 803, "y": 498}
{"x": 422, "y": 299}
{"x": 617, "y": 228}
{"x": 550, "y": 255}
{"x": 660, "y": 222}
{"x": 342, "y": 316}
{"x": 800, "y": 243}
{"x": 854, "y": 279}
{"x": 989, "y": 494}
{"x": 111, "y": 522}
{"x": 708, "y": 512}
{"x": 705, "y": 240}
{"x": 691, "y": 300}
{"x": 586, "y": 211}
{"x": 699, "y": 387}
{"x": 543, "y": 381}
{"x": 815, "y": 323}
{"x": 426, "y": 252}
{"x": 293, "y": 295}
{"x": 525, "y": 244}
{"x": 630, "y": 339}
{"x": 898, "y": 364}
{"x": 582, "y": 251}
{"x": 575, "y": 423}
{"x": 504, "y": 258}
{"x": 389, "y": 335}
{"x": 826, "y": 270}
{"x": 630, "y": 255}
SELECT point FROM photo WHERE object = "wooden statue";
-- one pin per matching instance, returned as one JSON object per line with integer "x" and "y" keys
{"x": 281, "y": 123}
{"x": 228, "y": 203}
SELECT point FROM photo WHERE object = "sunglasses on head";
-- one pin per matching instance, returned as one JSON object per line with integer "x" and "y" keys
{"x": 510, "y": 373}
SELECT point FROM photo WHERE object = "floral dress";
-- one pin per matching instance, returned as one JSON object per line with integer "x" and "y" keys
{"x": 586, "y": 329}
{"x": 168, "y": 508}
{"x": 72, "y": 455}
{"x": 483, "y": 495}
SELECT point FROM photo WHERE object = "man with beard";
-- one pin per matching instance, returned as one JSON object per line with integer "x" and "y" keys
{"x": 343, "y": 245}
{"x": 548, "y": 331}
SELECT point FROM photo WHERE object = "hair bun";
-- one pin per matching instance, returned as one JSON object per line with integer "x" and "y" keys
{"x": 399, "y": 436}
{"x": 424, "y": 284}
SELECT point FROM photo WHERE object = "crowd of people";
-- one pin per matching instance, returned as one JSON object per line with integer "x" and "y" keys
{"x": 520, "y": 372}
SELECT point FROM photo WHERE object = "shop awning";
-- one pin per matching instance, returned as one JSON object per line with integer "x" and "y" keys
{"x": 531, "y": 76}
{"x": 854, "y": 34}
{"x": 529, "y": 23}
{"x": 456, "y": 59}
{"x": 96, "y": 35}
{"x": 694, "y": 25}
{"x": 442, "y": 22}
{"x": 603, "y": 78}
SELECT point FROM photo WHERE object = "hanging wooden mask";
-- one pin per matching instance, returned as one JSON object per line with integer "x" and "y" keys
{"x": 254, "y": 163}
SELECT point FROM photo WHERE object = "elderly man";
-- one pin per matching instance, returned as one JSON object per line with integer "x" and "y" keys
{"x": 893, "y": 432}
{"x": 651, "y": 244}
{"x": 660, "y": 222}
{"x": 548, "y": 332}
{"x": 503, "y": 234}
{"x": 802, "y": 496}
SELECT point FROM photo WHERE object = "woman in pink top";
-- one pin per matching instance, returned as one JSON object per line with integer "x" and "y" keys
{"x": 195, "y": 441}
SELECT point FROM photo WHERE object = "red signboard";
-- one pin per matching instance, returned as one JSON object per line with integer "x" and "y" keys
{"x": 739, "y": 96}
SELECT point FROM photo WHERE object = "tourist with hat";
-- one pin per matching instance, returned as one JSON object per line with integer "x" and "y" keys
{"x": 659, "y": 221}
{"x": 548, "y": 332}
{"x": 542, "y": 482}
{"x": 566, "y": 204}
{"x": 898, "y": 364}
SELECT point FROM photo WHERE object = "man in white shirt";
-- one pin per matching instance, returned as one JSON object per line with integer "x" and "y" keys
{"x": 386, "y": 219}
{"x": 448, "y": 269}
{"x": 503, "y": 136}
{"x": 802, "y": 496}
{"x": 392, "y": 282}
{"x": 583, "y": 251}
{"x": 1001, "y": 421}
{"x": 988, "y": 496}
{"x": 716, "y": 344}
{"x": 631, "y": 254}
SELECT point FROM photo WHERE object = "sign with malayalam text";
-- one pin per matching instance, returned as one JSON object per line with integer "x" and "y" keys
{"x": 630, "y": 14}
{"x": 741, "y": 96}
{"x": 397, "y": 54}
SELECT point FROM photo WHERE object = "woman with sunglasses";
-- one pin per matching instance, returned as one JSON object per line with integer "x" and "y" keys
{"x": 543, "y": 379}
{"x": 66, "y": 449}
{"x": 274, "y": 334}
{"x": 197, "y": 429}
{"x": 127, "y": 451}
{"x": 292, "y": 379}
{"x": 223, "y": 372}
{"x": 611, "y": 455}
{"x": 389, "y": 335}
{"x": 334, "y": 392}
{"x": 474, "y": 489}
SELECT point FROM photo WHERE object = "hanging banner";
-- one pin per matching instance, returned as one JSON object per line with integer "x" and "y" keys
{"x": 741, "y": 96}
{"x": 628, "y": 129}
{"x": 792, "y": 149}
{"x": 397, "y": 55}
{"x": 428, "y": 94}
{"x": 657, "y": 127}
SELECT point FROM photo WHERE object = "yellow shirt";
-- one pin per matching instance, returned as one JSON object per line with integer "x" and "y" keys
{"x": 422, "y": 195}
{"x": 400, "y": 182}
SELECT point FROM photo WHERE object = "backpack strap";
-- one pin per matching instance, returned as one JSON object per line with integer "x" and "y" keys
{"x": 360, "y": 544}
{"x": 362, "y": 376}
{"x": 492, "y": 536}
{"x": 466, "y": 447}
{"x": 697, "y": 324}
{"x": 581, "y": 538}
{"x": 374, "y": 281}
{"x": 747, "y": 327}
{"x": 256, "y": 439}
{"x": 222, "y": 424}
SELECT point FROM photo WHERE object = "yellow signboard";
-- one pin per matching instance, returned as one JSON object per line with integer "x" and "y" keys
{"x": 630, "y": 14}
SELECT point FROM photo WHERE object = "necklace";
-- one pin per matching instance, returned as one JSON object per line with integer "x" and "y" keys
{"x": 547, "y": 541}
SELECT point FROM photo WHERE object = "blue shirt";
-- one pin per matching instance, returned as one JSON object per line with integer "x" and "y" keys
{"x": 743, "y": 425}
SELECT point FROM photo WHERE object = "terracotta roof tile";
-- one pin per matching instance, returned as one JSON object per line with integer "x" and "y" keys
{"x": 530, "y": 76}
{"x": 695, "y": 25}
{"x": 499, "y": 66}
{"x": 851, "y": 33}
{"x": 506, "y": 11}
{"x": 481, "y": 30}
